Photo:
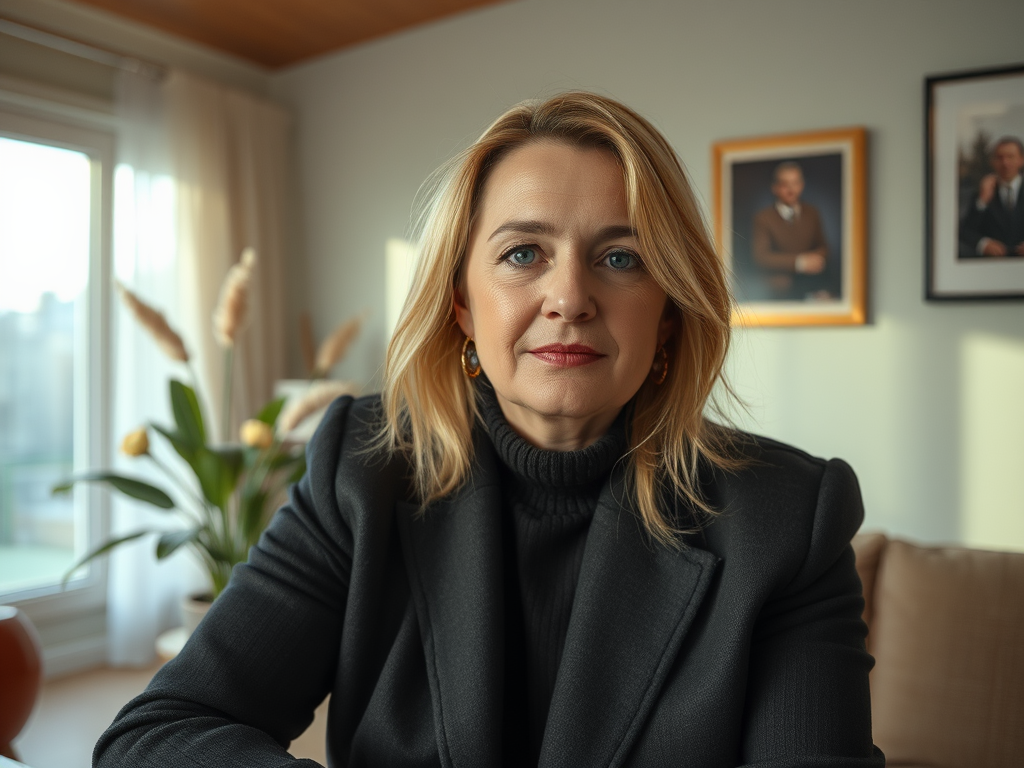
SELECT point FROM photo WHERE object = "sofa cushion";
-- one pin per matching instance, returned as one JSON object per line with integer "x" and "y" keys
{"x": 868, "y": 548}
{"x": 947, "y": 633}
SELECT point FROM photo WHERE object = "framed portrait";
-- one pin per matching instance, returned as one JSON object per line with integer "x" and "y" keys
{"x": 789, "y": 215}
{"x": 974, "y": 232}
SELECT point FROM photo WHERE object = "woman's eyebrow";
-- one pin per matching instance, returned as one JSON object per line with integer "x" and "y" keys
{"x": 526, "y": 227}
{"x": 616, "y": 231}
{"x": 534, "y": 227}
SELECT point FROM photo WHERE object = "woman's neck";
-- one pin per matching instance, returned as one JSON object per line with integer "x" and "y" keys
{"x": 552, "y": 469}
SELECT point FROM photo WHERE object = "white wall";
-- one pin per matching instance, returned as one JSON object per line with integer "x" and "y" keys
{"x": 926, "y": 402}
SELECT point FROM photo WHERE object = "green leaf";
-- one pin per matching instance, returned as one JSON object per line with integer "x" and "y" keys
{"x": 187, "y": 414}
{"x": 251, "y": 516}
{"x": 102, "y": 549}
{"x": 299, "y": 471}
{"x": 168, "y": 543}
{"x": 253, "y": 456}
{"x": 137, "y": 489}
{"x": 217, "y": 470}
{"x": 233, "y": 460}
{"x": 185, "y": 450}
{"x": 283, "y": 460}
{"x": 271, "y": 411}
{"x": 218, "y": 552}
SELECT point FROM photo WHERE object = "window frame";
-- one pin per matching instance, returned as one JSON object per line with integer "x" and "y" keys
{"x": 90, "y": 132}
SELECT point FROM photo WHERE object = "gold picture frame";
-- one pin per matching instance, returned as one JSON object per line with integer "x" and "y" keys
{"x": 799, "y": 264}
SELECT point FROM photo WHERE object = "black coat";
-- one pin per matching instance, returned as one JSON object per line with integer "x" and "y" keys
{"x": 995, "y": 221}
{"x": 745, "y": 647}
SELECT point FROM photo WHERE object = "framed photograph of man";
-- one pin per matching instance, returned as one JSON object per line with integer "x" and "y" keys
{"x": 974, "y": 133}
{"x": 790, "y": 221}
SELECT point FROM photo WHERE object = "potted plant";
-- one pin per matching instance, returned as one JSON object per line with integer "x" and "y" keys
{"x": 230, "y": 491}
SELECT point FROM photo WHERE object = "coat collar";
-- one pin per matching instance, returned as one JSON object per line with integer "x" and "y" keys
{"x": 634, "y": 603}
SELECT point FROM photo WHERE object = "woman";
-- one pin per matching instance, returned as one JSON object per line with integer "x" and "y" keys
{"x": 534, "y": 549}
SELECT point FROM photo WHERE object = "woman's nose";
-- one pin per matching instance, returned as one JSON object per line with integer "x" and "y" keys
{"x": 567, "y": 292}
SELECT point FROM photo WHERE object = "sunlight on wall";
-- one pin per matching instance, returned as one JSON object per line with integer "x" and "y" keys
{"x": 400, "y": 262}
{"x": 992, "y": 425}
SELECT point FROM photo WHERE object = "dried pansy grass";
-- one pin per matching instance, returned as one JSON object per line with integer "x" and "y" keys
{"x": 334, "y": 346}
{"x": 154, "y": 322}
{"x": 232, "y": 312}
{"x": 318, "y": 396}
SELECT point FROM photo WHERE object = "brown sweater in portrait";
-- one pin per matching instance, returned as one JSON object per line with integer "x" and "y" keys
{"x": 777, "y": 242}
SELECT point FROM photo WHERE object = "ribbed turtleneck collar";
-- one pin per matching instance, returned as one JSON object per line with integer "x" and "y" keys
{"x": 560, "y": 470}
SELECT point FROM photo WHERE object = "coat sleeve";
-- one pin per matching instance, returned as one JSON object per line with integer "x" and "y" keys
{"x": 972, "y": 228}
{"x": 808, "y": 702}
{"x": 249, "y": 679}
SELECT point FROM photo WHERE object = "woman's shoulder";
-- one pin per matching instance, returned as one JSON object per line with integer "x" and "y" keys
{"x": 346, "y": 421}
{"x": 785, "y": 513}
{"x": 346, "y": 449}
{"x": 757, "y": 458}
{"x": 776, "y": 489}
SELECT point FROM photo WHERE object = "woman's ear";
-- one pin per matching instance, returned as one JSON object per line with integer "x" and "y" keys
{"x": 671, "y": 322}
{"x": 463, "y": 314}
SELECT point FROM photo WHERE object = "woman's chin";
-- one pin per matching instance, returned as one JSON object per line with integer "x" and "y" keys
{"x": 578, "y": 414}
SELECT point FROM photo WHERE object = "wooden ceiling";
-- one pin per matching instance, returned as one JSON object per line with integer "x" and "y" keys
{"x": 277, "y": 33}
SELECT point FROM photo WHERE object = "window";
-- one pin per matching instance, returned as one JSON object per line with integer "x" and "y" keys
{"x": 55, "y": 181}
{"x": 44, "y": 260}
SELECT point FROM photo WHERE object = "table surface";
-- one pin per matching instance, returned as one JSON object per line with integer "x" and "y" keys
{"x": 5, "y": 763}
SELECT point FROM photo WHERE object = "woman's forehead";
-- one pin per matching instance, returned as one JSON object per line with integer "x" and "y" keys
{"x": 548, "y": 179}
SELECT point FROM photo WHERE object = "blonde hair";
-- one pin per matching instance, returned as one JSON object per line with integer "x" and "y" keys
{"x": 429, "y": 404}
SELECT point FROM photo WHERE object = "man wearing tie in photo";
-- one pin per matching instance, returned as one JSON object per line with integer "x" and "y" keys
{"x": 994, "y": 224}
{"x": 789, "y": 242}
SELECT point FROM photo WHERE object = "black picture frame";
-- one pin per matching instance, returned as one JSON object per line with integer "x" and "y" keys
{"x": 966, "y": 115}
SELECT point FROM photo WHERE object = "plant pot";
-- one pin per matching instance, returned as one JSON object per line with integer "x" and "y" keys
{"x": 193, "y": 608}
{"x": 21, "y": 674}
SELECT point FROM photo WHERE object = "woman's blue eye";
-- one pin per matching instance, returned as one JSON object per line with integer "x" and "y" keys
{"x": 523, "y": 256}
{"x": 621, "y": 260}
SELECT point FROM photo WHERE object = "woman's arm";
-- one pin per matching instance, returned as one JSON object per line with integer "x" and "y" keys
{"x": 808, "y": 702}
{"x": 250, "y": 678}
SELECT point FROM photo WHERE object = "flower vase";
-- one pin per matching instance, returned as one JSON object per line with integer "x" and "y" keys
{"x": 193, "y": 608}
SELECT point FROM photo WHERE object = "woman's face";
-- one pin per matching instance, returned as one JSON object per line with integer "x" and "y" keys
{"x": 565, "y": 318}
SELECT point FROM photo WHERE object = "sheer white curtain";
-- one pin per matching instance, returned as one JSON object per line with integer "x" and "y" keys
{"x": 201, "y": 175}
{"x": 230, "y": 166}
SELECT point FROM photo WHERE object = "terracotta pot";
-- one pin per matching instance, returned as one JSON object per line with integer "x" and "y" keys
{"x": 193, "y": 608}
{"x": 21, "y": 674}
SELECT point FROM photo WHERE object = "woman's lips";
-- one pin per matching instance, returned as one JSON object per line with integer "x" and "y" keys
{"x": 567, "y": 355}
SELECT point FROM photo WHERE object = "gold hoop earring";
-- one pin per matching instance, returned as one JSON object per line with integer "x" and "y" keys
{"x": 659, "y": 370}
{"x": 470, "y": 360}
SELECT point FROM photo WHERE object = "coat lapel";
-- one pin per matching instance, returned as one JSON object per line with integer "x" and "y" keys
{"x": 454, "y": 558}
{"x": 635, "y": 601}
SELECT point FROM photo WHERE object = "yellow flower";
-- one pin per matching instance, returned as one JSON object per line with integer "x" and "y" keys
{"x": 257, "y": 434}
{"x": 136, "y": 443}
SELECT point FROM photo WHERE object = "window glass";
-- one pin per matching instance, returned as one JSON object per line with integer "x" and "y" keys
{"x": 44, "y": 266}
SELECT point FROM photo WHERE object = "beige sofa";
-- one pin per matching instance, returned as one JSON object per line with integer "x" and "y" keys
{"x": 946, "y": 628}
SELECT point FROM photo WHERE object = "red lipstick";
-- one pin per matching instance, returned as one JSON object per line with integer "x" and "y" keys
{"x": 567, "y": 355}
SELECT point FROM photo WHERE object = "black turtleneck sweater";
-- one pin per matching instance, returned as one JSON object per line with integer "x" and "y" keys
{"x": 548, "y": 500}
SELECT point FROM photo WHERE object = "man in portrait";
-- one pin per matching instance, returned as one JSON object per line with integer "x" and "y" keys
{"x": 993, "y": 226}
{"x": 789, "y": 246}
